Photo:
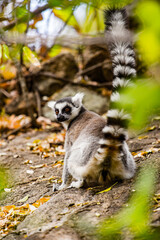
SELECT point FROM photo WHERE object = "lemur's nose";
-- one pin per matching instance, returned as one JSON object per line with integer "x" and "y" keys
{"x": 60, "y": 118}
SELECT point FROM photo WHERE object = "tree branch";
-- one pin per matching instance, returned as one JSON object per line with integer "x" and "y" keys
{"x": 5, "y": 93}
{"x": 92, "y": 85}
{"x": 89, "y": 69}
{"x": 22, "y": 79}
{"x": 23, "y": 19}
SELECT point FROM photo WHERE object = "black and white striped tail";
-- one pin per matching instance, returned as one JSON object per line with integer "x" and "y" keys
{"x": 123, "y": 63}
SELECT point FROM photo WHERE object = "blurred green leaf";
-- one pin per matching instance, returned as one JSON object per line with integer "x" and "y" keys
{"x": 66, "y": 3}
{"x": 6, "y": 56}
{"x": 66, "y": 15}
{"x": 29, "y": 57}
{"x": 20, "y": 11}
{"x": 149, "y": 37}
{"x": 15, "y": 52}
{"x": 4, "y": 53}
{"x": 133, "y": 221}
{"x": 117, "y": 3}
{"x": 55, "y": 3}
{"x": 19, "y": 28}
{"x": 94, "y": 21}
{"x": 55, "y": 50}
{"x": 141, "y": 100}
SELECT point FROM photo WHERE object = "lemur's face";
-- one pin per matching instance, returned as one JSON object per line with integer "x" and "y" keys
{"x": 64, "y": 110}
{"x": 67, "y": 108}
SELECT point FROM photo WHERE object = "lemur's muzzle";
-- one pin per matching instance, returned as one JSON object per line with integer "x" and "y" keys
{"x": 61, "y": 118}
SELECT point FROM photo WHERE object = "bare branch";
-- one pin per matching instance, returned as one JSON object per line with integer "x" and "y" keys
{"x": 5, "y": 93}
{"x": 92, "y": 85}
{"x": 23, "y": 19}
{"x": 89, "y": 69}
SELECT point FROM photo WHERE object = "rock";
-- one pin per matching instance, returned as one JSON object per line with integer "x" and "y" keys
{"x": 92, "y": 100}
{"x": 18, "y": 105}
{"x": 63, "y": 65}
{"x": 48, "y": 113}
{"x": 98, "y": 54}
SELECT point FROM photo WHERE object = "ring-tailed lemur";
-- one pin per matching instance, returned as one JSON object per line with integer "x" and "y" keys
{"x": 96, "y": 149}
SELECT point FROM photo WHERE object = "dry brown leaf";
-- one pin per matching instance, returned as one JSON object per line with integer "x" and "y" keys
{"x": 11, "y": 216}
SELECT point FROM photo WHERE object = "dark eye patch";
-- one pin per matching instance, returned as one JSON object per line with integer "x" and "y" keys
{"x": 66, "y": 109}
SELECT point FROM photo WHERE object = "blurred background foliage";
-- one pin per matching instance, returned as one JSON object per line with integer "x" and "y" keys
{"x": 80, "y": 18}
{"x": 22, "y": 20}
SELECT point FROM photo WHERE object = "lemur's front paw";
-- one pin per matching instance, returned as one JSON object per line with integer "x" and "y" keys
{"x": 57, "y": 187}
{"x": 76, "y": 184}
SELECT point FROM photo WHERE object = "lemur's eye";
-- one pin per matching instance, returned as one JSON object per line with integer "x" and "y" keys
{"x": 56, "y": 111}
{"x": 67, "y": 109}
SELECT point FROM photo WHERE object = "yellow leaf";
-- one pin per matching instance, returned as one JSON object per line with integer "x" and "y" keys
{"x": 142, "y": 137}
{"x": 146, "y": 152}
{"x": 38, "y": 166}
{"x": 29, "y": 55}
{"x": 64, "y": 15}
{"x": 151, "y": 128}
{"x": 8, "y": 71}
{"x": 37, "y": 141}
{"x": 41, "y": 201}
{"x": 23, "y": 199}
{"x": 58, "y": 164}
{"x": 108, "y": 189}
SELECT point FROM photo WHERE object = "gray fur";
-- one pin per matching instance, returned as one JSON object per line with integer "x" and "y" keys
{"x": 81, "y": 146}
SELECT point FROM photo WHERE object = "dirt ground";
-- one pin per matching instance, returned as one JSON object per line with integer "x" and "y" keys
{"x": 68, "y": 212}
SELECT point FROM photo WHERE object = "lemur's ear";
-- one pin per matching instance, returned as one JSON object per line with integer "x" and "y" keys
{"x": 77, "y": 99}
{"x": 51, "y": 104}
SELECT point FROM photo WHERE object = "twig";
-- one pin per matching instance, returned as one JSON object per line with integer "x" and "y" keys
{"x": 61, "y": 29}
{"x": 23, "y": 19}
{"x": 89, "y": 69}
{"x": 38, "y": 99}
{"x": 5, "y": 93}
{"x": 5, "y": 80}
{"x": 22, "y": 80}
{"x": 92, "y": 85}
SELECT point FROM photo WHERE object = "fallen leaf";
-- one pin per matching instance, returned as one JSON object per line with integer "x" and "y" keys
{"x": 41, "y": 201}
{"x": 142, "y": 137}
{"x": 27, "y": 162}
{"x": 57, "y": 164}
{"x": 97, "y": 214}
{"x": 23, "y": 199}
{"x": 38, "y": 166}
{"x": 3, "y": 143}
{"x": 7, "y": 189}
{"x": 8, "y": 71}
{"x": 3, "y": 154}
{"x": 11, "y": 137}
{"x": 108, "y": 189}
{"x": 151, "y": 128}
{"x": 11, "y": 216}
{"x": 13, "y": 122}
{"x": 145, "y": 153}
{"x": 156, "y": 118}
{"x": 30, "y": 171}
